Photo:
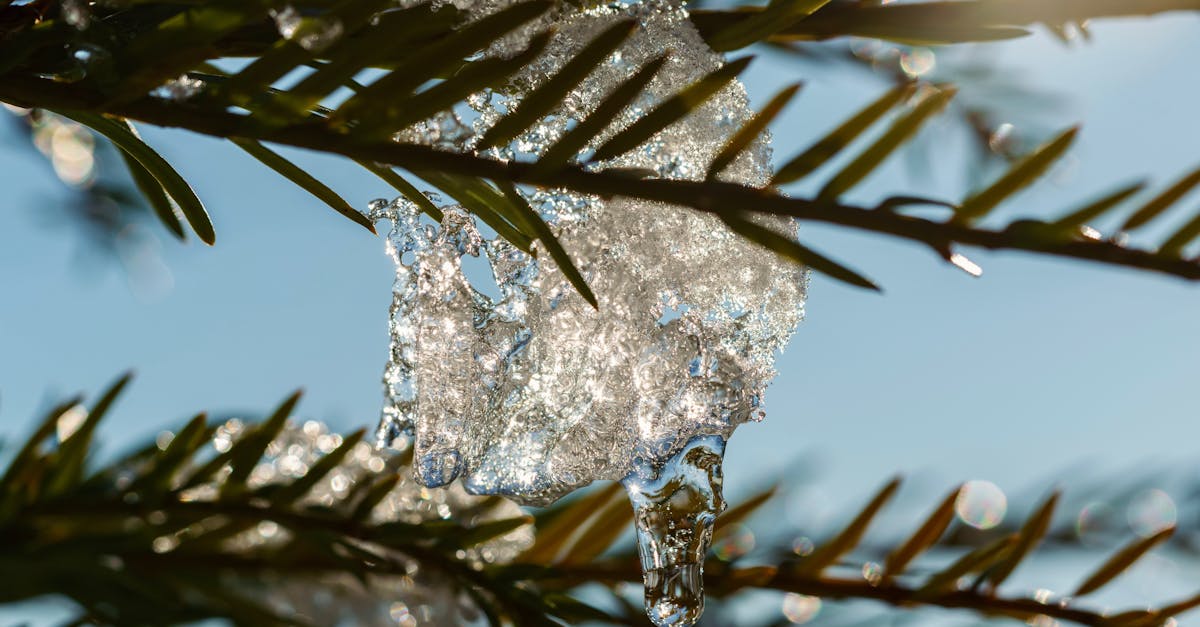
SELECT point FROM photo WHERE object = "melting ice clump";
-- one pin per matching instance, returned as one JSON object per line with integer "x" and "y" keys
{"x": 532, "y": 393}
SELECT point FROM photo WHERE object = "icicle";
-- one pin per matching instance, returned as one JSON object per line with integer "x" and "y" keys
{"x": 674, "y": 506}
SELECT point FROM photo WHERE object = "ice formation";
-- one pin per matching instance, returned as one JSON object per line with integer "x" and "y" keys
{"x": 416, "y": 597}
{"x": 532, "y": 393}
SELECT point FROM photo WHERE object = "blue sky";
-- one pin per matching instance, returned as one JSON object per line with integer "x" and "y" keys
{"x": 1036, "y": 367}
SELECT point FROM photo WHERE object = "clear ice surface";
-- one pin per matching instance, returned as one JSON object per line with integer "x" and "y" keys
{"x": 532, "y": 393}
{"x": 674, "y": 506}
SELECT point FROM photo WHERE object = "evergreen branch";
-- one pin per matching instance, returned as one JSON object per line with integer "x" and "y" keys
{"x": 935, "y": 22}
{"x": 826, "y": 587}
{"x": 1031, "y": 534}
{"x": 751, "y": 130}
{"x": 356, "y": 129}
{"x": 304, "y": 180}
{"x": 147, "y": 551}
{"x": 924, "y": 537}
{"x": 903, "y": 129}
{"x": 101, "y": 541}
{"x": 166, "y": 209}
{"x": 173, "y": 184}
{"x": 1038, "y": 236}
{"x": 836, "y": 140}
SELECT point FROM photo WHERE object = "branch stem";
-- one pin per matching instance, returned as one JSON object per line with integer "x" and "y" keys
{"x": 840, "y": 588}
{"x": 709, "y": 196}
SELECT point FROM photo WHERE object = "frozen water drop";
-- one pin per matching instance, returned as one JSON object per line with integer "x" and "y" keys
{"x": 675, "y": 505}
{"x": 377, "y": 209}
{"x": 438, "y": 468}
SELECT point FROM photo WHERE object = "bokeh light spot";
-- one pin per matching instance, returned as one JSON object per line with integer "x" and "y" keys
{"x": 70, "y": 421}
{"x": 800, "y": 608}
{"x": 733, "y": 542}
{"x": 917, "y": 62}
{"x": 802, "y": 546}
{"x": 1094, "y": 520}
{"x": 981, "y": 504}
{"x": 1150, "y": 512}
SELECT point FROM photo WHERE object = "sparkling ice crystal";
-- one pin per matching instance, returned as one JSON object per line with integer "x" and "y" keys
{"x": 532, "y": 393}
{"x": 414, "y": 596}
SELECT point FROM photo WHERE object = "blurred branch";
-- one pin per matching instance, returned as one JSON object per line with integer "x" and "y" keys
{"x": 940, "y": 22}
{"x": 729, "y": 581}
{"x": 160, "y": 536}
{"x": 130, "y": 52}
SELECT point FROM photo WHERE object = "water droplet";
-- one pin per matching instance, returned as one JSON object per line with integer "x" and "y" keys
{"x": 966, "y": 265}
{"x": 872, "y": 573}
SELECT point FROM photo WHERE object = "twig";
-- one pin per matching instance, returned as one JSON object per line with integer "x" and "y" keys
{"x": 710, "y": 196}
